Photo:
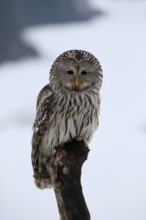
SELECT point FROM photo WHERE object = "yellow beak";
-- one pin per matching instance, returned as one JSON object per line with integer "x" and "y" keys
{"x": 77, "y": 82}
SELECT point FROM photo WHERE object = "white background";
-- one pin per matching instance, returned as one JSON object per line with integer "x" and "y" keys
{"x": 114, "y": 176}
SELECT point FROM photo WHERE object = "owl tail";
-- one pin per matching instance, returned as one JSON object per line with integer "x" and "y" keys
{"x": 42, "y": 180}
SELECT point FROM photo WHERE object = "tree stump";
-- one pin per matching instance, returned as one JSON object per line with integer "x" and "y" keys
{"x": 65, "y": 171}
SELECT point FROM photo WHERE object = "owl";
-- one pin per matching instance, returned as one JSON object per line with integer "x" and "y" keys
{"x": 67, "y": 108}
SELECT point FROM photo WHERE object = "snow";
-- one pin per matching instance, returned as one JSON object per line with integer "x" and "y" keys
{"x": 114, "y": 176}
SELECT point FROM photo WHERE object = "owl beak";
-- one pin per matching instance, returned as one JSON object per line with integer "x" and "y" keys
{"x": 77, "y": 82}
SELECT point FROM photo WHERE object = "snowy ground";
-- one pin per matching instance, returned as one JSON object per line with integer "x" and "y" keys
{"x": 114, "y": 177}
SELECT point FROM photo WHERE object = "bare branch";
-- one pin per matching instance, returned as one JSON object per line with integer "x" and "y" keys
{"x": 65, "y": 171}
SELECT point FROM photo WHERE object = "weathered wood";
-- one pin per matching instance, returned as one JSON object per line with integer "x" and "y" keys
{"x": 65, "y": 173}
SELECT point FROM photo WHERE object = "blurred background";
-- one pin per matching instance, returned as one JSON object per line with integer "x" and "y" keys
{"x": 32, "y": 35}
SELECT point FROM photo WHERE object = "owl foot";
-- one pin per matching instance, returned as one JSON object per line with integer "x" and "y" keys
{"x": 82, "y": 139}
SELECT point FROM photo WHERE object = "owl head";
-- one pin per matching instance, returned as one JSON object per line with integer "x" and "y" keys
{"x": 75, "y": 70}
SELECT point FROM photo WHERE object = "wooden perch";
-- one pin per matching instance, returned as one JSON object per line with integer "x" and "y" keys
{"x": 65, "y": 171}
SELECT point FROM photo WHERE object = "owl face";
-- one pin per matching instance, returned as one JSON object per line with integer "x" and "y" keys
{"x": 75, "y": 70}
{"x": 76, "y": 75}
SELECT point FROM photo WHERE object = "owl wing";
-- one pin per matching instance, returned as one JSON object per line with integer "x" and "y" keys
{"x": 41, "y": 124}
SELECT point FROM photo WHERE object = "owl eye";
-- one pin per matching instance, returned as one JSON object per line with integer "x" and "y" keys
{"x": 83, "y": 73}
{"x": 70, "y": 72}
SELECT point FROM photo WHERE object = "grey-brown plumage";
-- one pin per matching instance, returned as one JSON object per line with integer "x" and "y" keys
{"x": 67, "y": 108}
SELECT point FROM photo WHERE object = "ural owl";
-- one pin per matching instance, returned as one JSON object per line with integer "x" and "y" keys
{"x": 67, "y": 108}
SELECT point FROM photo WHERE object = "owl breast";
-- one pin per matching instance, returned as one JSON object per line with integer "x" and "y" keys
{"x": 75, "y": 116}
